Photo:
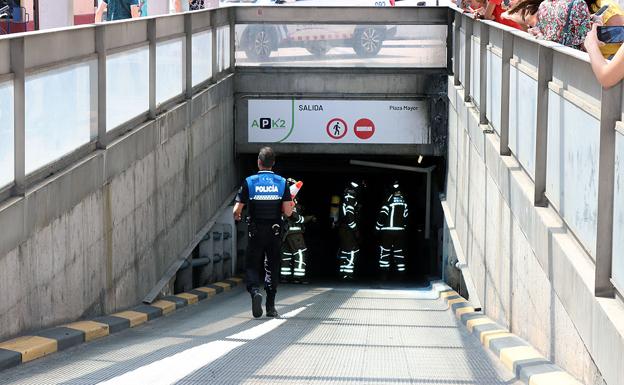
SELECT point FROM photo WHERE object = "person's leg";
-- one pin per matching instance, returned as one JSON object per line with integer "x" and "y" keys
{"x": 253, "y": 267}
{"x": 399, "y": 250}
{"x": 272, "y": 277}
{"x": 348, "y": 253}
{"x": 286, "y": 260}
{"x": 384, "y": 255}
{"x": 299, "y": 249}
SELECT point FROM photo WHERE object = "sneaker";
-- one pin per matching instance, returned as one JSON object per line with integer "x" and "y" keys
{"x": 256, "y": 304}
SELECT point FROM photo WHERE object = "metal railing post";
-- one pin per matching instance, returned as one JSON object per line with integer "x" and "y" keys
{"x": 468, "y": 29}
{"x": 544, "y": 76}
{"x": 188, "y": 55}
{"x": 232, "y": 18}
{"x": 213, "y": 22}
{"x": 19, "y": 114}
{"x": 151, "y": 37}
{"x": 450, "y": 41}
{"x": 456, "y": 50}
{"x": 484, "y": 40}
{"x": 508, "y": 43}
{"x": 100, "y": 48}
{"x": 610, "y": 113}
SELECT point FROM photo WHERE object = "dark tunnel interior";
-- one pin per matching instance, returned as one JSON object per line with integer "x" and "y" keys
{"x": 324, "y": 176}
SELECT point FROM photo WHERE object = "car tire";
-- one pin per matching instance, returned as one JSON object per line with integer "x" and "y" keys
{"x": 260, "y": 42}
{"x": 367, "y": 41}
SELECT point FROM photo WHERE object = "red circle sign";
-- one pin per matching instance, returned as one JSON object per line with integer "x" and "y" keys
{"x": 364, "y": 128}
{"x": 336, "y": 128}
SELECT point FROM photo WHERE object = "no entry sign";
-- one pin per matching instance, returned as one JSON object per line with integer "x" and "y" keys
{"x": 364, "y": 128}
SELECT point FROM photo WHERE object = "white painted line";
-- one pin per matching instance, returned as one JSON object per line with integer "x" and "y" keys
{"x": 264, "y": 328}
{"x": 364, "y": 128}
{"x": 257, "y": 331}
{"x": 174, "y": 368}
{"x": 293, "y": 313}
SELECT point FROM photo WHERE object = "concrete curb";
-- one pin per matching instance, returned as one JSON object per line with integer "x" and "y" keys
{"x": 45, "y": 342}
{"x": 527, "y": 364}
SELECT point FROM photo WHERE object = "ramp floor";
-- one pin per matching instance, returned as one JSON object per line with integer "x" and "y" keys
{"x": 334, "y": 334}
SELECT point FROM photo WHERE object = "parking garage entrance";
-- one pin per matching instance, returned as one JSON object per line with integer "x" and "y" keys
{"x": 327, "y": 176}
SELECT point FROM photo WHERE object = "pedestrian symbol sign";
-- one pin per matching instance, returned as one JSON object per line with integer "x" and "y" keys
{"x": 336, "y": 128}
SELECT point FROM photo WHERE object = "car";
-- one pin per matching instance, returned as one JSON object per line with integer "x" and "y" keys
{"x": 260, "y": 41}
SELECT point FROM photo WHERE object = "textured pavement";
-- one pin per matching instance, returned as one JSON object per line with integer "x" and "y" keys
{"x": 340, "y": 334}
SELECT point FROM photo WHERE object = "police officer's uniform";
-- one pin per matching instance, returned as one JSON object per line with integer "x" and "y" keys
{"x": 348, "y": 231}
{"x": 264, "y": 193}
{"x": 392, "y": 224}
{"x": 294, "y": 249}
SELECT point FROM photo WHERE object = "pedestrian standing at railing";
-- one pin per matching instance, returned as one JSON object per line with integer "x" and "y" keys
{"x": 565, "y": 22}
{"x": 608, "y": 72}
{"x": 195, "y": 5}
{"x": 613, "y": 16}
{"x": 493, "y": 10}
{"x": 117, "y": 10}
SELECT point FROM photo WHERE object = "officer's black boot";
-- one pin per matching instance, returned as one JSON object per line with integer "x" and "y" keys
{"x": 270, "y": 305}
{"x": 256, "y": 303}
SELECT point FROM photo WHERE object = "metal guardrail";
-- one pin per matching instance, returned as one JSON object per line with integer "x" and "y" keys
{"x": 27, "y": 56}
{"x": 560, "y": 125}
{"x": 559, "y": 78}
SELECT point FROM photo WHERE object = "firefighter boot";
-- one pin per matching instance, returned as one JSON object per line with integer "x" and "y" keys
{"x": 256, "y": 303}
{"x": 270, "y": 305}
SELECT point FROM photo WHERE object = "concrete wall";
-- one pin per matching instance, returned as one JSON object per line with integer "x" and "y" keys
{"x": 96, "y": 237}
{"x": 530, "y": 273}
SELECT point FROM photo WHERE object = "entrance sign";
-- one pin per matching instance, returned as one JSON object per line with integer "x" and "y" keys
{"x": 338, "y": 121}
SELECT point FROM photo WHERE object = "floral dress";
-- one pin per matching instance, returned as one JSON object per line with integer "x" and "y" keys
{"x": 552, "y": 17}
{"x": 194, "y": 5}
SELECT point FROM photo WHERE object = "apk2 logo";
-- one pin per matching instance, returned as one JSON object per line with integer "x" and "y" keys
{"x": 268, "y": 123}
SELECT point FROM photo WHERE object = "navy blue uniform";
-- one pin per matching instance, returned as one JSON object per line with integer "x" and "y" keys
{"x": 263, "y": 194}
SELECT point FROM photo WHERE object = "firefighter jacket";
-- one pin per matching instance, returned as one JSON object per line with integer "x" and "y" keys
{"x": 393, "y": 214}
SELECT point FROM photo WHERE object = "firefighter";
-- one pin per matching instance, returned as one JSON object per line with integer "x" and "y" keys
{"x": 268, "y": 199}
{"x": 391, "y": 226}
{"x": 348, "y": 230}
{"x": 294, "y": 249}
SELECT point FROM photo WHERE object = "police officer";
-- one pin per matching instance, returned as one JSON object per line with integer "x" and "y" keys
{"x": 294, "y": 249}
{"x": 391, "y": 225}
{"x": 268, "y": 198}
{"x": 348, "y": 230}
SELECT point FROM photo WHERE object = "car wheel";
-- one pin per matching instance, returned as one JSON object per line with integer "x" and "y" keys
{"x": 367, "y": 41}
{"x": 260, "y": 43}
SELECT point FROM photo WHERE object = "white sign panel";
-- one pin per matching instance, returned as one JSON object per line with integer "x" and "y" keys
{"x": 338, "y": 121}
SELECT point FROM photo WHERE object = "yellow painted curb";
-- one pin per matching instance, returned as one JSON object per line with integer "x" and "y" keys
{"x": 476, "y": 322}
{"x": 226, "y": 286}
{"x": 134, "y": 317}
{"x": 456, "y": 300}
{"x": 488, "y": 336}
{"x": 553, "y": 378}
{"x": 164, "y": 305}
{"x": 190, "y": 298}
{"x": 463, "y": 310}
{"x": 208, "y": 290}
{"x": 448, "y": 294}
{"x": 92, "y": 330}
{"x": 509, "y": 356}
{"x": 31, "y": 347}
